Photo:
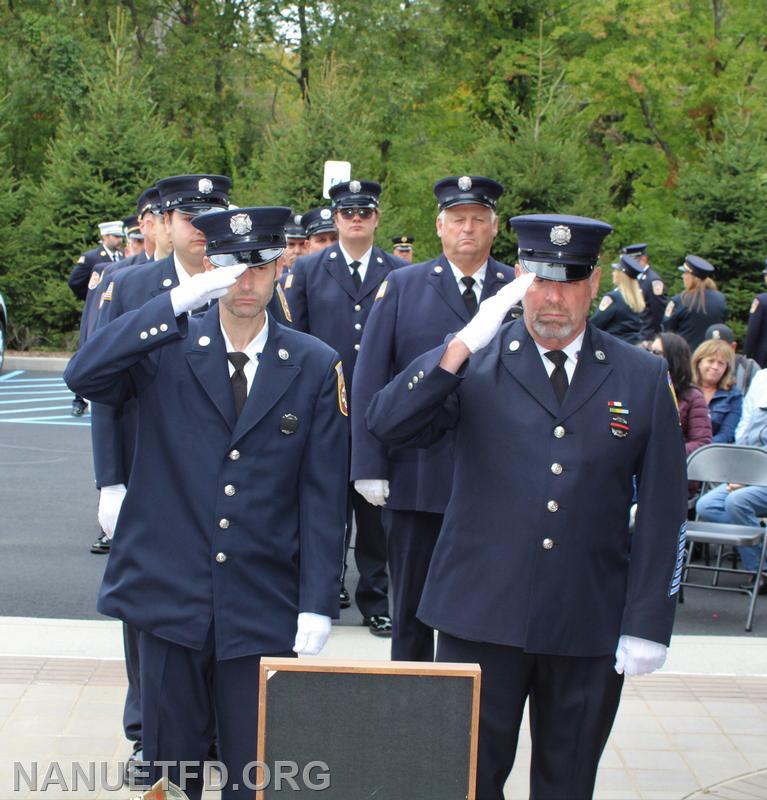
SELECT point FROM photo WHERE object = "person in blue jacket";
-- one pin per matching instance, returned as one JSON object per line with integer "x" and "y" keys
{"x": 229, "y": 542}
{"x": 330, "y": 294}
{"x": 713, "y": 372}
{"x": 415, "y": 308}
{"x": 620, "y": 310}
{"x": 536, "y": 575}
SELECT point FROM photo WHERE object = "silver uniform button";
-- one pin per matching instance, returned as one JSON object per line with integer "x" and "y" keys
{"x": 552, "y": 506}
{"x": 153, "y": 331}
{"x": 500, "y": 275}
{"x": 283, "y": 354}
{"x": 438, "y": 269}
{"x": 379, "y": 260}
{"x": 556, "y": 469}
{"x": 410, "y": 387}
{"x": 220, "y": 557}
{"x": 333, "y": 255}
{"x": 229, "y": 490}
{"x": 203, "y": 341}
{"x": 167, "y": 282}
{"x": 223, "y": 523}
{"x": 514, "y": 346}
{"x": 356, "y": 347}
{"x": 357, "y": 326}
{"x": 559, "y": 431}
{"x": 415, "y": 379}
{"x": 143, "y": 335}
{"x": 548, "y": 544}
{"x": 420, "y": 373}
{"x": 163, "y": 327}
{"x": 233, "y": 455}
{"x": 599, "y": 355}
{"x": 358, "y": 307}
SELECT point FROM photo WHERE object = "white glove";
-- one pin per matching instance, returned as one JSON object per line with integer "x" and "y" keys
{"x": 375, "y": 490}
{"x": 110, "y": 503}
{"x": 203, "y": 287}
{"x": 485, "y": 323}
{"x": 313, "y": 631}
{"x": 635, "y": 656}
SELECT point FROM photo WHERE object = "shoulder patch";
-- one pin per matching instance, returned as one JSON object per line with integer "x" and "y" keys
{"x": 657, "y": 288}
{"x": 381, "y": 290}
{"x": 95, "y": 279}
{"x": 669, "y": 309}
{"x": 284, "y": 303}
{"x": 754, "y": 305}
{"x": 605, "y": 302}
{"x": 289, "y": 280}
{"x": 343, "y": 408}
{"x": 81, "y": 260}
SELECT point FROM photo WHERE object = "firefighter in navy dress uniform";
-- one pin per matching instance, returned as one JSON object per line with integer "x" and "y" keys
{"x": 755, "y": 344}
{"x": 653, "y": 291}
{"x": 229, "y": 541}
{"x": 700, "y": 304}
{"x": 535, "y": 574}
{"x": 620, "y": 310}
{"x": 330, "y": 294}
{"x": 413, "y": 312}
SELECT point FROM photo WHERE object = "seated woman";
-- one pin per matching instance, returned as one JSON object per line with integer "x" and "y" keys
{"x": 619, "y": 311}
{"x": 713, "y": 370}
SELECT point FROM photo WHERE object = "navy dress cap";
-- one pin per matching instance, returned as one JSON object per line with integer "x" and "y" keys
{"x": 355, "y": 194}
{"x": 467, "y": 190}
{"x": 294, "y": 228}
{"x": 697, "y": 266}
{"x": 635, "y": 249}
{"x": 148, "y": 201}
{"x": 132, "y": 231}
{"x": 629, "y": 266}
{"x": 194, "y": 194}
{"x": 557, "y": 247}
{"x": 720, "y": 331}
{"x": 253, "y": 236}
{"x": 318, "y": 220}
{"x": 403, "y": 242}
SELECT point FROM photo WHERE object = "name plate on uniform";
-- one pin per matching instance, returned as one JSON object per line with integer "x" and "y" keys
{"x": 384, "y": 729}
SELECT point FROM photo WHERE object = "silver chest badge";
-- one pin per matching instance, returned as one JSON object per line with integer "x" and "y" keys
{"x": 355, "y": 186}
{"x": 464, "y": 183}
{"x": 560, "y": 235}
{"x": 241, "y": 224}
{"x": 205, "y": 185}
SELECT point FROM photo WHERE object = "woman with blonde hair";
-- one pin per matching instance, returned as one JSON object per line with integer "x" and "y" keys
{"x": 700, "y": 304}
{"x": 619, "y": 311}
{"x": 713, "y": 370}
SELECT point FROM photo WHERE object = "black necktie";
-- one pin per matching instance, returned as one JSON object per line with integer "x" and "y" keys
{"x": 559, "y": 376}
{"x": 239, "y": 381}
{"x": 468, "y": 295}
{"x": 355, "y": 267}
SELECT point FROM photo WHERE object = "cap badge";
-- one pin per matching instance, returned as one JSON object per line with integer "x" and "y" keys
{"x": 560, "y": 235}
{"x": 241, "y": 224}
{"x": 325, "y": 213}
{"x": 355, "y": 186}
{"x": 297, "y": 219}
{"x": 205, "y": 185}
{"x": 464, "y": 183}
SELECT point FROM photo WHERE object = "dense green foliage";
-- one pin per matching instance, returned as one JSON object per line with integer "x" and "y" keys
{"x": 647, "y": 113}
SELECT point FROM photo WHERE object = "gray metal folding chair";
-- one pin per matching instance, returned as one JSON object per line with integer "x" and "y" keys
{"x": 726, "y": 463}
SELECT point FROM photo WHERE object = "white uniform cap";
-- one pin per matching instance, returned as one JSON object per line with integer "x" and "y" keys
{"x": 114, "y": 228}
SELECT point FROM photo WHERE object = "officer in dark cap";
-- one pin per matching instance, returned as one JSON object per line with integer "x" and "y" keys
{"x": 402, "y": 246}
{"x": 698, "y": 306}
{"x": 620, "y": 310}
{"x": 320, "y": 230}
{"x": 330, "y": 295}
{"x": 134, "y": 238}
{"x": 113, "y": 428}
{"x": 414, "y": 310}
{"x": 295, "y": 236}
{"x": 653, "y": 290}
{"x": 237, "y": 498}
{"x": 755, "y": 345}
{"x": 535, "y": 575}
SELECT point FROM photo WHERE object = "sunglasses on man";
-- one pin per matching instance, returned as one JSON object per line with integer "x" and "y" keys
{"x": 351, "y": 213}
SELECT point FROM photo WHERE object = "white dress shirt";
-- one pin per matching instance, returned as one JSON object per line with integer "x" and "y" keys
{"x": 252, "y": 351}
{"x": 364, "y": 259}
{"x": 479, "y": 279}
{"x": 571, "y": 351}
{"x": 181, "y": 273}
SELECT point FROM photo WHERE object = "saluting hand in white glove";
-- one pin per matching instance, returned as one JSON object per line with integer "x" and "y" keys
{"x": 110, "y": 502}
{"x": 485, "y": 323}
{"x": 635, "y": 656}
{"x": 313, "y": 631}
{"x": 203, "y": 287}
{"x": 374, "y": 490}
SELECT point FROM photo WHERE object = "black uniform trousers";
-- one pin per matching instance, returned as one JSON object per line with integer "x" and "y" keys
{"x": 410, "y": 540}
{"x": 369, "y": 555}
{"x": 573, "y": 702}
{"x": 187, "y": 699}
{"x": 132, "y": 709}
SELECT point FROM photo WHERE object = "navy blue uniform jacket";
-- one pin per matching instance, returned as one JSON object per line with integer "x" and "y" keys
{"x": 323, "y": 301}
{"x": 655, "y": 299}
{"x": 81, "y": 273}
{"x": 419, "y": 306}
{"x": 284, "y": 535}
{"x": 535, "y": 550}
{"x": 614, "y": 315}
{"x": 755, "y": 345}
{"x": 691, "y": 324}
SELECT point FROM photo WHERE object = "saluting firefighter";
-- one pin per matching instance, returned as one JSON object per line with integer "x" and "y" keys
{"x": 620, "y": 310}
{"x": 653, "y": 291}
{"x": 415, "y": 309}
{"x": 330, "y": 294}
{"x": 755, "y": 344}
{"x": 700, "y": 304}
{"x": 535, "y": 575}
{"x": 229, "y": 541}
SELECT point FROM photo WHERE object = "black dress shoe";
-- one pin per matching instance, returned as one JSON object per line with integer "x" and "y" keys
{"x": 379, "y": 624}
{"x": 344, "y": 599}
{"x": 136, "y": 772}
{"x": 101, "y": 545}
{"x": 78, "y": 408}
{"x": 750, "y": 585}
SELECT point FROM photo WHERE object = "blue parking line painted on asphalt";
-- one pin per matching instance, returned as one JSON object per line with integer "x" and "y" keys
{"x": 33, "y": 410}
{"x": 35, "y": 400}
{"x": 9, "y": 375}
{"x": 25, "y": 393}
